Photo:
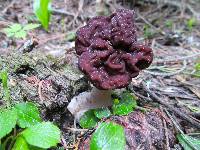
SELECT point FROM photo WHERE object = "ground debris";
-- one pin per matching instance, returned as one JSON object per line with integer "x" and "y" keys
{"x": 143, "y": 131}
{"x": 33, "y": 80}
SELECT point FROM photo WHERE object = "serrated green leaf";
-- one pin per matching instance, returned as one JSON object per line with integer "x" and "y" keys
{"x": 12, "y": 29}
{"x": 43, "y": 135}
{"x": 11, "y": 34}
{"x": 102, "y": 113}
{"x": 15, "y": 27}
{"x": 8, "y": 120}
{"x": 41, "y": 10}
{"x": 20, "y": 34}
{"x": 88, "y": 120}
{"x": 108, "y": 136}
{"x": 7, "y": 30}
{"x": 31, "y": 26}
{"x": 28, "y": 114}
{"x": 125, "y": 105}
{"x": 20, "y": 144}
{"x": 188, "y": 142}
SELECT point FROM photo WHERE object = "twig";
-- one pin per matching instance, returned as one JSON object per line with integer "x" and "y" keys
{"x": 42, "y": 99}
{"x": 174, "y": 122}
{"x": 55, "y": 37}
{"x": 80, "y": 8}
{"x": 77, "y": 130}
{"x": 64, "y": 143}
{"x": 61, "y": 12}
{"x": 187, "y": 6}
{"x": 170, "y": 73}
{"x": 166, "y": 131}
{"x": 196, "y": 115}
{"x": 4, "y": 24}
{"x": 193, "y": 56}
{"x": 186, "y": 83}
{"x": 10, "y": 5}
{"x": 171, "y": 108}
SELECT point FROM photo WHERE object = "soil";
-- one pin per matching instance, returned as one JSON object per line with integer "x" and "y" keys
{"x": 47, "y": 72}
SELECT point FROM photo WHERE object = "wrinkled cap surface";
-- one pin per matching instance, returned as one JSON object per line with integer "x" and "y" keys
{"x": 109, "y": 53}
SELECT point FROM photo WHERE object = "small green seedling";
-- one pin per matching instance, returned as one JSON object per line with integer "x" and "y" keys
{"x": 191, "y": 23}
{"x": 169, "y": 24}
{"x": 19, "y": 31}
{"x": 6, "y": 91}
{"x": 147, "y": 32}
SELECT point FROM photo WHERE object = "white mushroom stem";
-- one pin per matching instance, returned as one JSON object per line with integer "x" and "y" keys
{"x": 89, "y": 100}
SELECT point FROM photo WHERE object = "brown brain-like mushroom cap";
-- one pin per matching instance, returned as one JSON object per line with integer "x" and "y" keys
{"x": 109, "y": 53}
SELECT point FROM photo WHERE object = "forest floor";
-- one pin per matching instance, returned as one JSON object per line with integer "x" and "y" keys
{"x": 171, "y": 84}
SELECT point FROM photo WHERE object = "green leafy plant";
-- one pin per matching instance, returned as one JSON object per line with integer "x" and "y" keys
{"x": 42, "y": 11}
{"x": 93, "y": 116}
{"x": 188, "y": 142}
{"x": 19, "y": 31}
{"x": 35, "y": 133}
{"x": 108, "y": 136}
{"x": 122, "y": 106}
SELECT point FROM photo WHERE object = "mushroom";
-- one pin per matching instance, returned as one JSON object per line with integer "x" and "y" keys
{"x": 109, "y": 56}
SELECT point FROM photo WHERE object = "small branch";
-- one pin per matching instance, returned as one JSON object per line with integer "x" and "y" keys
{"x": 10, "y": 5}
{"x": 196, "y": 115}
{"x": 170, "y": 73}
{"x": 61, "y": 12}
{"x": 166, "y": 131}
{"x": 64, "y": 142}
{"x": 193, "y": 56}
{"x": 171, "y": 108}
{"x": 77, "y": 130}
{"x": 174, "y": 121}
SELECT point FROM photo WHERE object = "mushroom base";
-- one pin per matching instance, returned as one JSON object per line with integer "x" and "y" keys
{"x": 89, "y": 100}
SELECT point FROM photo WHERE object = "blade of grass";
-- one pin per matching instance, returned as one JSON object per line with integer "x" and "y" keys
{"x": 6, "y": 91}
